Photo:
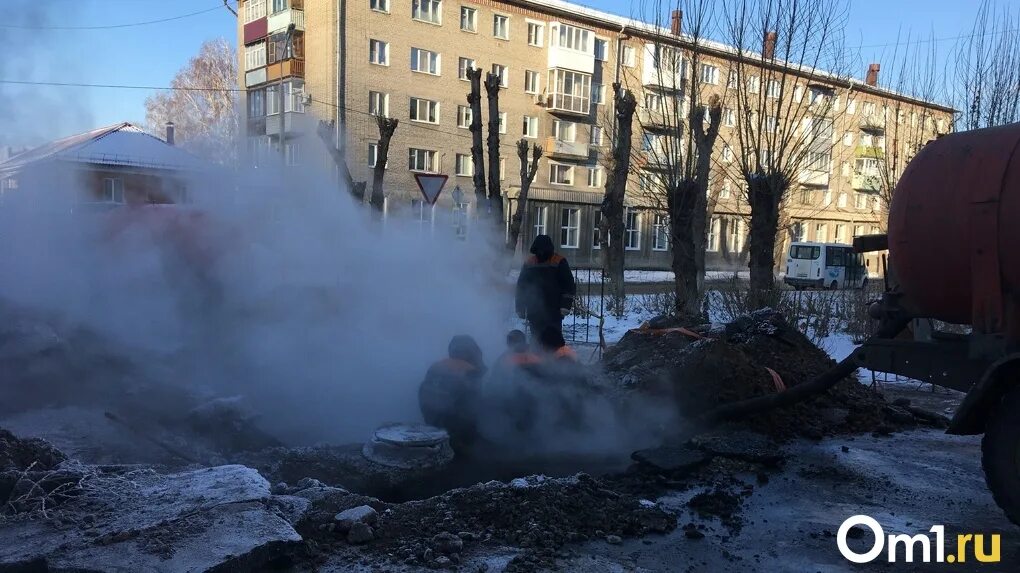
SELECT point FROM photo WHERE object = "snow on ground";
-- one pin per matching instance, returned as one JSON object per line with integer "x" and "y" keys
{"x": 588, "y": 276}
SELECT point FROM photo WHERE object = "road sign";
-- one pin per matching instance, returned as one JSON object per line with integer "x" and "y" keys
{"x": 431, "y": 185}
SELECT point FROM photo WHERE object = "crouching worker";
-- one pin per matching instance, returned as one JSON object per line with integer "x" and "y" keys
{"x": 552, "y": 341}
{"x": 517, "y": 352}
{"x": 449, "y": 394}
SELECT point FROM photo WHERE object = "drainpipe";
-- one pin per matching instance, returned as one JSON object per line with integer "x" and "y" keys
{"x": 341, "y": 79}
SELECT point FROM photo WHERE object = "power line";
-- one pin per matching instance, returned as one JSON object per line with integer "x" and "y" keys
{"x": 937, "y": 40}
{"x": 112, "y": 26}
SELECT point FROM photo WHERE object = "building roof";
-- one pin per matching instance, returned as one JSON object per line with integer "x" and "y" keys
{"x": 641, "y": 28}
{"x": 120, "y": 145}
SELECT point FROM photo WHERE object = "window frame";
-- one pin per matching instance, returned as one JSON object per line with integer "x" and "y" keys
{"x": 385, "y": 53}
{"x": 660, "y": 229}
{"x": 116, "y": 187}
{"x": 381, "y": 6}
{"x": 432, "y": 108}
{"x": 567, "y": 169}
{"x": 536, "y": 40}
{"x": 632, "y": 234}
{"x": 532, "y": 74}
{"x": 465, "y": 116}
{"x": 433, "y": 60}
{"x": 462, "y": 70}
{"x": 463, "y": 160}
{"x": 433, "y": 158}
{"x": 570, "y": 215}
{"x": 433, "y": 15}
{"x": 505, "y": 19}
{"x": 472, "y": 14}
{"x": 384, "y": 99}
{"x": 527, "y": 123}
{"x": 503, "y": 73}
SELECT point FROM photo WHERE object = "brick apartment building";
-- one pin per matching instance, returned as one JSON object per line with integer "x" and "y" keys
{"x": 350, "y": 60}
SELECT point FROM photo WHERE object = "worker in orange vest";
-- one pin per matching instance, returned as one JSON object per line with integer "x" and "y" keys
{"x": 517, "y": 354}
{"x": 448, "y": 396}
{"x": 552, "y": 341}
{"x": 545, "y": 287}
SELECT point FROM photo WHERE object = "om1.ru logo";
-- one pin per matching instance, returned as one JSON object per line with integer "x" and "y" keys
{"x": 910, "y": 544}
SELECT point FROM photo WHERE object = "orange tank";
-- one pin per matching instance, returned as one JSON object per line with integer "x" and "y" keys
{"x": 954, "y": 230}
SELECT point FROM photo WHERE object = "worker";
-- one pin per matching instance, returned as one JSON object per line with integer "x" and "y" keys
{"x": 552, "y": 341}
{"x": 545, "y": 288}
{"x": 517, "y": 353}
{"x": 449, "y": 394}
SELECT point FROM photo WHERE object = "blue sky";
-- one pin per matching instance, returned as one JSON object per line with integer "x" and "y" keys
{"x": 151, "y": 55}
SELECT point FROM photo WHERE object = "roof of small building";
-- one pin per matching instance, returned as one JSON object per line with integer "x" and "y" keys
{"x": 120, "y": 145}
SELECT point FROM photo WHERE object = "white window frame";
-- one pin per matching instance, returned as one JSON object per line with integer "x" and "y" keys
{"x": 541, "y": 216}
{"x": 727, "y": 153}
{"x": 598, "y": 94}
{"x": 255, "y": 56}
{"x": 380, "y": 6}
{"x": 113, "y": 190}
{"x": 532, "y": 82}
{"x": 503, "y": 119}
{"x": 632, "y": 233}
{"x": 629, "y": 57}
{"x": 773, "y": 88}
{"x": 379, "y": 101}
{"x": 529, "y": 127}
{"x": 563, "y": 169}
{"x": 425, "y": 62}
{"x": 294, "y": 96}
{"x": 464, "y": 116}
{"x": 423, "y": 160}
{"x": 596, "y": 136}
{"x": 431, "y": 110}
{"x": 501, "y": 23}
{"x": 860, "y": 201}
{"x": 462, "y": 68}
{"x": 660, "y": 230}
{"x": 254, "y": 10}
{"x": 565, "y": 131}
{"x": 821, "y": 232}
{"x": 573, "y": 38}
{"x": 570, "y": 228}
{"x": 726, "y": 191}
{"x": 604, "y": 56}
{"x": 709, "y": 74}
{"x": 428, "y": 11}
{"x": 858, "y": 230}
{"x": 714, "y": 228}
{"x": 578, "y": 98}
{"x": 463, "y": 165}
{"x": 472, "y": 19}
{"x": 381, "y": 51}
{"x": 596, "y": 177}
{"x": 536, "y": 33}
{"x": 504, "y": 74}
{"x": 841, "y": 200}
{"x": 754, "y": 84}
{"x": 840, "y": 234}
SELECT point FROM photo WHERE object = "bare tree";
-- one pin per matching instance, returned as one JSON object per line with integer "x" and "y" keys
{"x": 611, "y": 226}
{"x": 474, "y": 99}
{"x": 528, "y": 172}
{"x": 327, "y": 134}
{"x": 206, "y": 119}
{"x": 492, "y": 86}
{"x": 988, "y": 69}
{"x": 387, "y": 125}
{"x": 789, "y": 58}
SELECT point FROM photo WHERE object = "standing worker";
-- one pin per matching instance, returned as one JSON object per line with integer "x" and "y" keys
{"x": 545, "y": 288}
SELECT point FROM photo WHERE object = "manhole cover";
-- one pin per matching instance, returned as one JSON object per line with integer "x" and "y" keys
{"x": 409, "y": 446}
{"x": 411, "y": 435}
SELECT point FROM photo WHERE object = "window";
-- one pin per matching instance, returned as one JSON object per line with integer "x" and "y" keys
{"x": 714, "y": 226}
{"x": 841, "y": 201}
{"x": 827, "y": 198}
{"x": 424, "y": 110}
{"x": 841, "y": 234}
{"x": 502, "y": 122}
{"x": 280, "y": 47}
{"x": 536, "y": 32}
{"x": 860, "y": 201}
{"x": 291, "y": 153}
{"x": 379, "y": 104}
{"x": 540, "y": 218}
{"x": 424, "y": 61}
{"x": 422, "y": 160}
{"x": 113, "y": 190}
{"x": 731, "y": 80}
{"x": 501, "y": 26}
{"x": 632, "y": 230}
{"x": 464, "y": 165}
{"x": 851, "y": 105}
{"x": 798, "y": 94}
{"x": 629, "y": 56}
{"x": 771, "y": 124}
{"x": 660, "y": 233}
{"x": 378, "y": 53}
{"x": 596, "y": 232}
{"x": 500, "y": 71}
{"x": 601, "y": 49}
{"x": 596, "y": 177}
{"x": 869, "y": 109}
{"x": 571, "y": 91}
{"x": 798, "y": 231}
{"x": 380, "y": 5}
{"x": 570, "y": 227}
{"x": 845, "y": 169}
{"x": 573, "y": 38}
{"x": 597, "y": 134}
{"x": 858, "y": 230}
{"x": 598, "y": 94}
{"x": 564, "y": 130}
{"x": 254, "y": 56}
{"x": 279, "y": 6}
{"x": 735, "y": 242}
{"x": 821, "y": 232}
{"x": 709, "y": 74}
{"x": 253, "y": 10}
{"x": 464, "y": 116}
{"x": 729, "y": 117}
{"x": 256, "y": 103}
{"x": 819, "y": 161}
{"x": 468, "y": 19}
{"x": 463, "y": 65}
{"x": 427, "y": 11}
{"x": 460, "y": 220}
{"x": 373, "y": 154}
{"x": 727, "y": 153}
{"x": 669, "y": 60}
{"x": 773, "y": 88}
{"x": 531, "y": 81}
{"x": 530, "y": 127}
{"x": 294, "y": 96}
{"x": 654, "y": 101}
{"x": 753, "y": 84}
{"x": 272, "y": 100}
{"x": 848, "y": 139}
{"x": 727, "y": 189}
{"x": 560, "y": 174}
{"x": 805, "y": 197}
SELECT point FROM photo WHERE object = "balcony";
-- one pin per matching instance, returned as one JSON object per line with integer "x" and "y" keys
{"x": 281, "y": 20}
{"x": 292, "y": 121}
{"x": 665, "y": 70}
{"x": 255, "y": 77}
{"x": 286, "y": 68}
{"x": 652, "y": 119}
{"x": 814, "y": 178}
{"x": 573, "y": 150}
{"x": 867, "y": 182}
{"x": 256, "y": 30}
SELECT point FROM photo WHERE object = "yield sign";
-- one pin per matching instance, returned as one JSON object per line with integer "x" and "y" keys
{"x": 431, "y": 185}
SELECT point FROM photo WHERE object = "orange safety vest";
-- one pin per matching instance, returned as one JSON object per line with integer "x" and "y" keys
{"x": 565, "y": 352}
{"x": 523, "y": 359}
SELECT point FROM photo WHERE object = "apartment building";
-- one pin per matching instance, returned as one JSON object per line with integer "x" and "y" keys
{"x": 351, "y": 60}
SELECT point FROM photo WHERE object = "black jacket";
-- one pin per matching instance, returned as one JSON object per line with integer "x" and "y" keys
{"x": 543, "y": 288}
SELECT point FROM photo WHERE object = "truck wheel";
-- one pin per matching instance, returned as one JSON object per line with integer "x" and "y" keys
{"x": 1000, "y": 449}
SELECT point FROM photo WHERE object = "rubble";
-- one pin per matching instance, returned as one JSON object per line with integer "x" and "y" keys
{"x": 706, "y": 366}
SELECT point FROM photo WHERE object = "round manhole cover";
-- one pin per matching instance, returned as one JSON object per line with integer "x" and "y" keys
{"x": 411, "y": 435}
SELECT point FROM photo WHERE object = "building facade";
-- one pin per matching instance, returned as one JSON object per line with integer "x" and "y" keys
{"x": 348, "y": 61}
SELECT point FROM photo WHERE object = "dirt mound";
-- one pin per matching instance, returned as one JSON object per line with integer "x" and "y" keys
{"x": 537, "y": 514}
{"x": 30, "y": 475}
{"x": 702, "y": 367}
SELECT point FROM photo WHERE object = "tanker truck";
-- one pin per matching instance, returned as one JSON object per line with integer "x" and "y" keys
{"x": 954, "y": 258}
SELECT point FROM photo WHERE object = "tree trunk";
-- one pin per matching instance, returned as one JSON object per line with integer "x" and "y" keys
{"x": 611, "y": 226}
{"x": 528, "y": 172}
{"x": 492, "y": 88}
{"x": 681, "y": 204}
{"x": 705, "y": 141}
{"x": 763, "y": 195}
{"x": 477, "y": 151}
{"x": 387, "y": 126}
{"x": 325, "y": 131}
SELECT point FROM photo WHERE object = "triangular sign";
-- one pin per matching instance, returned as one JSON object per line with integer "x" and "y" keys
{"x": 431, "y": 185}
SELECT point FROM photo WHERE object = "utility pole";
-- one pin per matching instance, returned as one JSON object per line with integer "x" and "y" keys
{"x": 287, "y": 45}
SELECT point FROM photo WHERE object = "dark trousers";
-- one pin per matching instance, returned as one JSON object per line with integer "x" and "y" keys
{"x": 539, "y": 326}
